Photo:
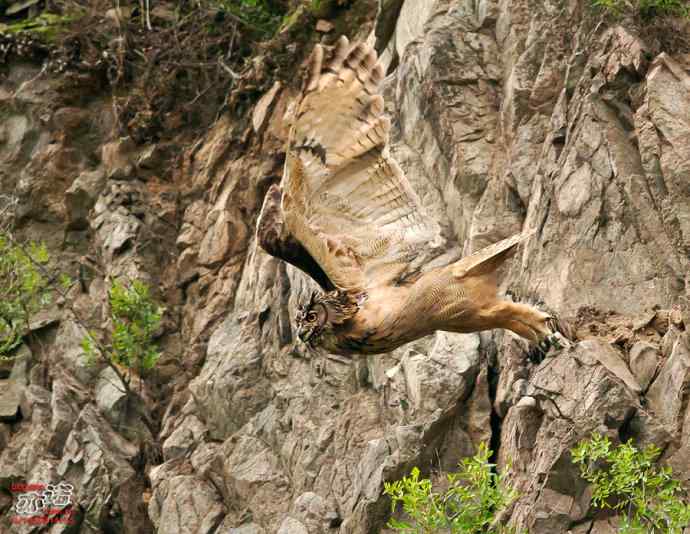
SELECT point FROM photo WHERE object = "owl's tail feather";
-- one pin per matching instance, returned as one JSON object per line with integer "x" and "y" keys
{"x": 487, "y": 260}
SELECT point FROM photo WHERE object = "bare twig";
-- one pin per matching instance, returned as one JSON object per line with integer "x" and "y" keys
{"x": 227, "y": 69}
{"x": 148, "y": 16}
{"x": 27, "y": 83}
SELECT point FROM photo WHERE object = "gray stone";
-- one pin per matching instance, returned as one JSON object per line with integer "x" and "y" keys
{"x": 184, "y": 438}
{"x": 97, "y": 461}
{"x": 66, "y": 400}
{"x": 436, "y": 380}
{"x": 10, "y": 397}
{"x": 312, "y": 510}
{"x": 4, "y": 436}
{"x": 118, "y": 159}
{"x": 251, "y": 528}
{"x": 182, "y": 502}
{"x": 612, "y": 361}
{"x": 263, "y": 106}
{"x": 411, "y": 18}
{"x": 577, "y": 393}
{"x": 81, "y": 197}
{"x": 605, "y": 526}
{"x": 253, "y": 474}
{"x": 120, "y": 230}
{"x": 32, "y": 396}
{"x": 511, "y": 381}
{"x": 12, "y": 388}
{"x": 43, "y": 318}
{"x": 216, "y": 246}
{"x": 644, "y": 362}
{"x": 68, "y": 348}
{"x": 291, "y": 526}
{"x": 581, "y": 529}
{"x": 527, "y": 402}
{"x": 151, "y": 157}
{"x": 111, "y": 396}
{"x": 230, "y": 377}
{"x": 666, "y": 396}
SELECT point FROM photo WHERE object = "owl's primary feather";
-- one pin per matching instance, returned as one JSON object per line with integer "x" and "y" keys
{"x": 344, "y": 198}
{"x": 349, "y": 218}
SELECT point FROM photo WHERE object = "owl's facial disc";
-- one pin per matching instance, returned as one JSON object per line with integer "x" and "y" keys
{"x": 311, "y": 321}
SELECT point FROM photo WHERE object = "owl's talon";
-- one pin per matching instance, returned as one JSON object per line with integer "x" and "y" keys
{"x": 559, "y": 341}
{"x": 536, "y": 355}
{"x": 554, "y": 342}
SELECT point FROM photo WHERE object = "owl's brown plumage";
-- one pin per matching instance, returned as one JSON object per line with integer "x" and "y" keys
{"x": 346, "y": 215}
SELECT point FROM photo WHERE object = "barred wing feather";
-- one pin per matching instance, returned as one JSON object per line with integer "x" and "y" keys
{"x": 344, "y": 197}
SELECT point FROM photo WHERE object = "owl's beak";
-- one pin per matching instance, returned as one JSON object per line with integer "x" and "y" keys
{"x": 304, "y": 334}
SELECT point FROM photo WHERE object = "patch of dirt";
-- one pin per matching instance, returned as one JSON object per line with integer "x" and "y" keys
{"x": 614, "y": 328}
{"x": 177, "y": 69}
{"x": 667, "y": 34}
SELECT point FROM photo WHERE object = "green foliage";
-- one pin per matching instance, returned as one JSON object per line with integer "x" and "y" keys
{"x": 627, "y": 479}
{"x": 90, "y": 347}
{"x": 23, "y": 289}
{"x": 324, "y": 8}
{"x": 135, "y": 318}
{"x": 261, "y": 15}
{"x": 47, "y": 25}
{"x": 476, "y": 494}
{"x": 646, "y": 9}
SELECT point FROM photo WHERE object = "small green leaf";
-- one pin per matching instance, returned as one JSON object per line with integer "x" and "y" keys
{"x": 627, "y": 479}
{"x": 476, "y": 493}
{"x": 65, "y": 281}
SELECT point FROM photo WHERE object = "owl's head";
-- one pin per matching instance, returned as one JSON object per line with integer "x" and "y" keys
{"x": 321, "y": 313}
{"x": 312, "y": 318}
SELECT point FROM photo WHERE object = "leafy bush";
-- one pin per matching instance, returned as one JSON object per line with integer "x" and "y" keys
{"x": 24, "y": 289}
{"x": 261, "y": 15}
{"x": 135, "y": 318}
{"x": 645, "y": 8}
{"x": 46, "y": 24}
{"x": 626, "y": 479}
{"x": 475, "y": 496}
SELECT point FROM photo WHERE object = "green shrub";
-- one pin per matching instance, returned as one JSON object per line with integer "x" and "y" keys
{"x": 646, "y": 9}
{"x": 24, "y": 289}
{"x": 46, "y": 24}
{"x": 260, "y": 15}
{"x": 627, "y": 479}
{"x": 475, "y": 496}
{"x": 135, "y": 317}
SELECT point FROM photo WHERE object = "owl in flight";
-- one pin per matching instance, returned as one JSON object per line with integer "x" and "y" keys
{"x": 346, "y": 215}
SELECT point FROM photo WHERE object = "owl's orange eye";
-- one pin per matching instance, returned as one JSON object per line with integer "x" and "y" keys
{"x": 311, "y": 316}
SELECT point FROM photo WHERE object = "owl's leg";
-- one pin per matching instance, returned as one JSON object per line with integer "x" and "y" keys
{"x": 526, "y": 321}
{"x": 533, "y": 325}
{"x": 522, "y": 330}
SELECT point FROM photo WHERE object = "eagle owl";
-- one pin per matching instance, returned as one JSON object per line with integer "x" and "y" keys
{"x": 345, "y": 214}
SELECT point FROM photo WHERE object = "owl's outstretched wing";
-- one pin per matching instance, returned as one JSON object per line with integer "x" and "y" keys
{"x": 345, "y": 200}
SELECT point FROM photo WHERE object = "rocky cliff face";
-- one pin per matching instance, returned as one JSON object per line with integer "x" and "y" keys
{"x": 508, "y": 114}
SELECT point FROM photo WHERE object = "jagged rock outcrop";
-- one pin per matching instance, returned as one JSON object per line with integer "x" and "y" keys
{"x": 507, "y": 115}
